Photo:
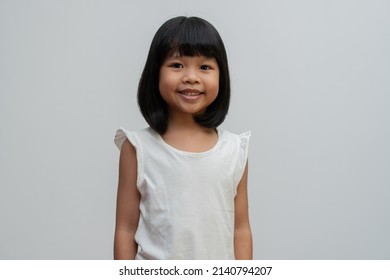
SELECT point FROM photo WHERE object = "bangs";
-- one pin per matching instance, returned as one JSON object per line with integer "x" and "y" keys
{"x": 192, "y": 38}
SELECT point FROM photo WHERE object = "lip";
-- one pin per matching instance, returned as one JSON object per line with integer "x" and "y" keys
{"x": 190, "y": 94}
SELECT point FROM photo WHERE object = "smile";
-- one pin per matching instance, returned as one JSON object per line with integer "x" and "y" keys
{"x": 190, "y": 92}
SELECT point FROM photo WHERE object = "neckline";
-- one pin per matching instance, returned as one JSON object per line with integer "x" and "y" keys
{"x": 188, "y": 153}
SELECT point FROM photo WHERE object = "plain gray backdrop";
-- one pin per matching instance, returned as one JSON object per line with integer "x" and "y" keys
{"x": 309, "y": 78}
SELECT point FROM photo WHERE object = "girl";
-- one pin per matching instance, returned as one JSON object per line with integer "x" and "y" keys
{"x": 182, "y": 191}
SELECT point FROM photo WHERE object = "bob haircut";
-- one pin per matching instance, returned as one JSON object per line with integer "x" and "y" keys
{"x": 188, "y": 36}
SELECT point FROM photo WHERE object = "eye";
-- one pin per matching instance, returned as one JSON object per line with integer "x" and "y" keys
{"x": 205, "y": 67}
{"x": 176, "y": 65}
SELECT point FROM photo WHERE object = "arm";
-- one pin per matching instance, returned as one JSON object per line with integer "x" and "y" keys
{"x": 242, "y": 229}
{"x": 127, "y": 209}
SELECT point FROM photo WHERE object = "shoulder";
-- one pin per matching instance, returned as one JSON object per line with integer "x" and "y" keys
{"x": 236, "y": 146}
{"x": 226, "y": 135}
{"x": 134, "y": 137}
{"x": 123, "y": 131}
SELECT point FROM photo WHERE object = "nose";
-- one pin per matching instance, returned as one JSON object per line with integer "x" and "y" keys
{"x": 190, "y": 76}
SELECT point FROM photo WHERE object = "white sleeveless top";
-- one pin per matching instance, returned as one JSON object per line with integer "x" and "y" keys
{"x": 187, "y": 198}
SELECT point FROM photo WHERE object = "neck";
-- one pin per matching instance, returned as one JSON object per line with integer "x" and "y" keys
{"x": 185, "y": 124}
{"x": 185, "y": 134}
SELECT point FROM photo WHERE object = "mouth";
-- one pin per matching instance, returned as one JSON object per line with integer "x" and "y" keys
{"x": 190, "y": 92}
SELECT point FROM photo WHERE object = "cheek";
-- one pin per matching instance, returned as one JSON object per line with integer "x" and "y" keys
{"x": 214, "y": 84}
{"x": 163, "y": 85}
{"x": 166, "y": 81}
{"x": 166, "y": 87}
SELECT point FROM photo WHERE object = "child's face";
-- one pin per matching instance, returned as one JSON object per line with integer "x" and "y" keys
{"x": 188, "y": 84}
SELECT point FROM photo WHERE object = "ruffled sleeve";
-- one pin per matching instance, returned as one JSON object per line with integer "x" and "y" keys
{"x": 242, "y": 155}
{"x": 120, "y": 137}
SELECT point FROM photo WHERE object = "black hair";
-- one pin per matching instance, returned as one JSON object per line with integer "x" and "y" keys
{"x": 189, "y": 36}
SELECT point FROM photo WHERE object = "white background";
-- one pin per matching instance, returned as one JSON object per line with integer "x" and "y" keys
{"x": 309, "y": 78}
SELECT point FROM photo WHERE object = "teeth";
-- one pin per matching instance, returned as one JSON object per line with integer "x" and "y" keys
{"x": 191, "y": 93}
